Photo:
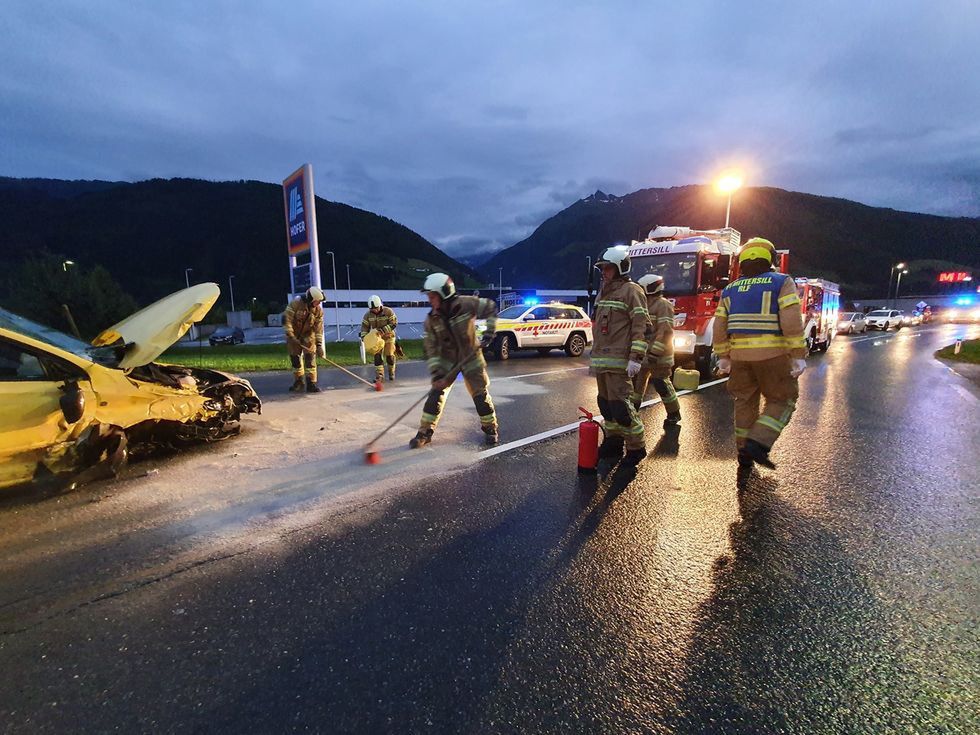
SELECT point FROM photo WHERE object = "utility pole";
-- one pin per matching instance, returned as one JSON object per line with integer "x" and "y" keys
{"x": 231, "y": 291}
{"x": 336, "y": 294}
{"x": 187, "y": 276}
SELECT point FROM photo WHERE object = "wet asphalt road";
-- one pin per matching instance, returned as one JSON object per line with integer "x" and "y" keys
{"x": 837, "y": 594}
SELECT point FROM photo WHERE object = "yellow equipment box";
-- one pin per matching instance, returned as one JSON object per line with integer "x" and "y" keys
{"x": 686, "y": 379}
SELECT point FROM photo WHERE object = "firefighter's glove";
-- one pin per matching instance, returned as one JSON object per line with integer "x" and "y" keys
{"x": 796, "y": 370}
{"x": 486, "y": 341}
{"x": 633, "y": 368}
{"x": 724, "y": 365}
{"x": 321, "y": 352}
{"x": 440, "y": 383}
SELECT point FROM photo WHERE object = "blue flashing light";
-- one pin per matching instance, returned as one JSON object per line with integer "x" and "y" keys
{"x": 531, "y": 301}
{"x": 964, "y": 301}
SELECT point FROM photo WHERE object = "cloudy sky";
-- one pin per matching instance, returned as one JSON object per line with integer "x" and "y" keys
{"x": 472, "y": 122}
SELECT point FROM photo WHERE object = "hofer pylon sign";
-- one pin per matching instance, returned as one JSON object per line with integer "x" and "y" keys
{"x": 300, "y": 209}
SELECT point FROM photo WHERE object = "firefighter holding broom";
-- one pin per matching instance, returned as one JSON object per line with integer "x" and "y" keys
{"x": 303, "y": 324}
{"x": 381, "y": 319}
{"x": 451, "y": 347}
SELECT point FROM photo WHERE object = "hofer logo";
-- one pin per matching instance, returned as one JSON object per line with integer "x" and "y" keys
{"x": 295, "y": 204}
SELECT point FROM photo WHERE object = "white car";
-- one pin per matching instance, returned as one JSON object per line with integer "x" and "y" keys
{"x": 851, "y": 322}
{"x": 542, "y": 327}
{"x": 885, "y": 319}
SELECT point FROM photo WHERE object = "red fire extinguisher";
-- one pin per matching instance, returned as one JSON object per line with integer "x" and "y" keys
{"x": 588, "y": 442}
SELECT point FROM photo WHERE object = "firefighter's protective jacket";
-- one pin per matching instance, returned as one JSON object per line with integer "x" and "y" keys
{"x": 758, "y": 318}
{"x": 303, "y": 324}
{"x": 660, "y": 333}
{"x": 619, "y": 325}
{"x": 385, "y": 322}
{"x": 449, "y": 337}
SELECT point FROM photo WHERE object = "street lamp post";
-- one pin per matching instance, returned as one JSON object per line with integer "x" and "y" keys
{"x": 336, "y": 302}
{"x": 231, "y": 291}
{"x": 187, "y": 276}
{"x": 898, "y": 285}
{"x": 729, "y": 184}
{"x": 891, "y": 274}
{"x": 500, "y": 286}
{"x": 589, "y": 282}
{"x": 349, "y": 304}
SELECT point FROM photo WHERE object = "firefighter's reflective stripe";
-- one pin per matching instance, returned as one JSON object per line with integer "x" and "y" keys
{"x": 741, "y": 342}
{"x": 613, "y": 363}
{"x": 617, "y": 305}
{"x": 638, "y": 345}
{"x": 788, "y": 300}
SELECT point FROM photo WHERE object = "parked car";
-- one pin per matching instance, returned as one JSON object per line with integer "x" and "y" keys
{"x": 885, "y": 319}
{"x": 67, "y": 407}
{"x": 912, "y": 320}
{"x": 543, "y": 327}
{"x": 851, "y": 322}
{"x": 227, "y": 336}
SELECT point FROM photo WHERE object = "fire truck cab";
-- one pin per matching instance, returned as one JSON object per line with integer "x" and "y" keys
{"x": 820, "y": 304}
{"x": 695, "y": 265}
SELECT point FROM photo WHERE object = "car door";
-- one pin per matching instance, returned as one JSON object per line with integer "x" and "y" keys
{"x": 535, "y": 322}
{"x": 32, "y": 424}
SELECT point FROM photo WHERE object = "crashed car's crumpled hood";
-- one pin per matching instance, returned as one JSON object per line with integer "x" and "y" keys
{"x": 150, "y": 331}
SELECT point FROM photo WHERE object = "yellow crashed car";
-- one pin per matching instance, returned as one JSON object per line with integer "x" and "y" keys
{"x": 73, "y": 410}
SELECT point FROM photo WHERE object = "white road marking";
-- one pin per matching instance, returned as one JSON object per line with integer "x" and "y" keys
{"x": 567, "y": 428}
{"x": 544, "y": 372}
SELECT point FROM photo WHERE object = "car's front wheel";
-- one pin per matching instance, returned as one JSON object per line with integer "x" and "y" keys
{"x": 575, "y": 345}
{"x": 501, "y": 347}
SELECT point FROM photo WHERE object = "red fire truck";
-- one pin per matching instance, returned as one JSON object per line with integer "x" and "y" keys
{"x": 696, "y": 265}
{"x": 820, "y": 303}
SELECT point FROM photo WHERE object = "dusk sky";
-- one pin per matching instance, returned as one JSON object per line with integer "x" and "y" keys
{"x": 473, "y": 122}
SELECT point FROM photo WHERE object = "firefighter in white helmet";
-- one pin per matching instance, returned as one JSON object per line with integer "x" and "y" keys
{"x": 303, "y": 323}
{"x": 381, "y": 318}
{"x": 659, "y": 361}
{"x": 619, "y": 345}
{"x": 451, "y": 347}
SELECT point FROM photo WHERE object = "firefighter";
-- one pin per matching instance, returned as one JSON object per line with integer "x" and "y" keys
{"x": 758, "y": 335}
{"x": 383, "y": 319}
{"x": 619, "y": 346}
{"x": 659, "y": 361}
{"x": 451, "y": 347}
{"x": 303, "y": 322}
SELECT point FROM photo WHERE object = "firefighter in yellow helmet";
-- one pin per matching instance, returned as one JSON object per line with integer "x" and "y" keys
{"x": 451, "y": 347}
{"x": 758, "y": 335}
{"x": 303, "y": 324}
{"x": 619, "y": 345}
{"x": 659, "y": 361}
{"x": 382, "y": 319}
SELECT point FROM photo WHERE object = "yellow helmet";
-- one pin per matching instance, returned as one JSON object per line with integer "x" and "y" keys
{"x": 757, "y": 248}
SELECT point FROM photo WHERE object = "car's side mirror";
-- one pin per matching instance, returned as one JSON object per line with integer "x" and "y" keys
{"x": 72, "y": 402}
{"x": 530, "y": 318}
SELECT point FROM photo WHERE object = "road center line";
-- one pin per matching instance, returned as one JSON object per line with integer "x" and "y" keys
{"x": 544, "y": 372}
{"x": 567, "y": 428}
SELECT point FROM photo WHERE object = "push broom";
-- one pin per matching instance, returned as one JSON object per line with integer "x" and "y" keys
{"x": 376, "y": 385}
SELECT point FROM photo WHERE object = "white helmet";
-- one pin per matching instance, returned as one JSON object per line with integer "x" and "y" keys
{"x": 314, "y": 294}
{"x": 618, "y": 256}
{"x": 374, "y": 302}
{"x": 441, "y": 284}
{"x": 652, "y": 283}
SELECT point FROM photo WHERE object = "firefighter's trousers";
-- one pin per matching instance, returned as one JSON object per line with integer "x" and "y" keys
{"x": 620, "y": 417}
{"x": 385, "y": 355}
{"x": 660, "y": 375}
{"x": 478, "y": 384}
{"x": 308, "y": 361}
{"x": 769, "y": 379}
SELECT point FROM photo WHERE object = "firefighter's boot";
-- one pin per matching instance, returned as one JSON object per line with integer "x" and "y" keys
{"x": 757, "y": 453}
{"x": 311, "y": 386}
{"x": 634, "y": 457}
{"x": 611, "y": 447}
{"x": 391, "y": 373}
{"x": 298, "y": 386}
{"x": 490, "y": 436}
{"x": 421, "y": 439}
{"x": 673, "y": 420}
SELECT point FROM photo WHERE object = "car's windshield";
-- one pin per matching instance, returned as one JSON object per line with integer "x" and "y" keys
{"x": 512, "y": 312}
{"x": 222, "y": 331}
{"x": 878, "y": 313}
{"x": 679, "y": 271}
{"x": 846, "y": 316}
{"x": 12, "y": 321}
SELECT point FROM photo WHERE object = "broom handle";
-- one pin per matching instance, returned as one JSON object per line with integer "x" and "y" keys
{"x": 408, "y": 410}
{"x": 341, "y": 367}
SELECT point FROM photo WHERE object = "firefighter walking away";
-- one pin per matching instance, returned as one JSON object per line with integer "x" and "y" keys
{"x": 451, "y": 347}
{"x": 619, "y": 345}
{"x": 758, "y": 335}
{"x": 659, "y": 361}
{"x": 382, "y": 319}
{"x": 303, "y": 323}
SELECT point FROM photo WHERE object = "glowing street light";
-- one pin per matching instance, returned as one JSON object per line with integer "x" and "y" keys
{"x": 729, "y": 184}
{"x": 891, "y": 274}
{"x": 898, "y": 283}
{"x": 65, "y": 264}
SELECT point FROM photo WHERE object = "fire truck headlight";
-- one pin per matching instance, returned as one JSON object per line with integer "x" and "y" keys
{"x": 683, "y": 342}
{"x": 679, "y": 320}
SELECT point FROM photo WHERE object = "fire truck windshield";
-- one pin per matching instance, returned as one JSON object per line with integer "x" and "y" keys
{"x": 679, "y": 271}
